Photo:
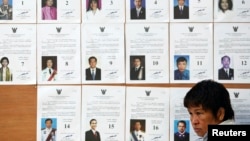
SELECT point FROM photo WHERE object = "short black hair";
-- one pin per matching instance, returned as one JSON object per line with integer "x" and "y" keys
{"x": 48, "y": 119}
{"x": 211, "y": 95}
{"x": 182, "y": 121}
{"x": 137, "y": 57}
{"x": 92, "y": 57}
{"x": 181, "y": 59}
{"x": 222, "y": 58}
{"x": 92, "y": 120}
{"x": 4, "y": 58}
{"x": 230, "y": 4}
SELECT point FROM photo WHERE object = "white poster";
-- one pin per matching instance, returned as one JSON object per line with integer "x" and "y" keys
{"x": 147, "y": 11}
{"x": 179, "y": 115}
{"x": 58, "y": 113}
{"x": 18, "y": 54}
{"x": 58, "y": 54}
{"x": 103, "y": 11}
{"x": 17, "y": 11}
{"x": 191, "y": 10}
{"x": 232, "y": 52}
{"x": 231, "y": 11}
{"x": 147, "y": 114}
{"x": 58, "y": 11}
{"x": 240, "y": 100}
{"x": 191, "y": 52}
{"x": 103, "y": 113}
{"x": 147, "y": 53}
{"x": 103, "y": 53}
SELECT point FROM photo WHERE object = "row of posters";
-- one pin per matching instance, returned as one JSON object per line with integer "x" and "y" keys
{"x": 116, "y": 111}
{"x": 119, "y": 11}
{"x": 118, "y": 53}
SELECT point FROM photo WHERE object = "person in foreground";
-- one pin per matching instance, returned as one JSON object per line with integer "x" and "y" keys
{"x": 208, "y": 103}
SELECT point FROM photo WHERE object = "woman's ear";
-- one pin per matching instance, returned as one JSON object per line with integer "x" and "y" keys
{"x": 221, "y": 114}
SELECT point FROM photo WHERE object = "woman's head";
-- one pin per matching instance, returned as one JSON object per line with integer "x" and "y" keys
{"x": 93, "y": 4}
{"x": 4, "y": 61}
{"x": 49, "y": 2}
{"x": 225, "y": 5}
{"x": 208, "y": 102}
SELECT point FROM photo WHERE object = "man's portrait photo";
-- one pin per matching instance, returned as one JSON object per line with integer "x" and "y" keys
{"x": 93, "y": 72}
{"x": 181, "y": 130}
{"x": 92, "y": 134}
{"x": 49, "y": 9}
{"x": 181, "y": 9}
{"x": 181, "y": 71}
{"x": 226, "y": 72}
{"x": 49, "y": 127}
{"x": 49, "y": 68}
{"x": 137, "y": 67}
{"x": 6, "y": 10}
{"x": 138, "y": 10}
{"x": 137, "y": 130}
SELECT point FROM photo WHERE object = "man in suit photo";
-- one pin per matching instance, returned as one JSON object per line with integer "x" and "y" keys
{"x": 49, "y": 73}
{"x": 137, "y": 71}
{"x": 181, "y": 11}
{"x": 226, "y": 73}
{"x": 181, "y": 134}
{"x": 92, "y": 134}
{"x": 48, "y": 133}
{"x": 93, "y": 73}
{"x": 138, "y": 12}
{"x": 137, "y": 134}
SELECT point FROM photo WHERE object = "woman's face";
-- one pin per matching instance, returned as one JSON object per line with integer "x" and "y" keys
{"x": 4, "y": 63}
{"x": 224, "y": 5}
{"x": 93, "y": 5}
{"x": 49, "y": 2}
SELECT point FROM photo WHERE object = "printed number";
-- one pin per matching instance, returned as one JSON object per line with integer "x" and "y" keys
{"x": 111, "y": 126}
{"x": 67, "y": 126}
{"x": 67, "y": 2}
{"x": 155, "y": 62}
{"x": 155, "y": 127}
{"x": 199, "y": 63}
{"x": 244, "y": 63}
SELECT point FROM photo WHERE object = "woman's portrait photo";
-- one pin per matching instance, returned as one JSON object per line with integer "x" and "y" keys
{"x": 49, "y": 9}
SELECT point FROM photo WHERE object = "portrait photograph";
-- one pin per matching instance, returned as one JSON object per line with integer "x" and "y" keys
{"x": 48, "y": 129}
{"x": 49, "y": 9}
{"x": 226, "y": 70}
{"x": 49, "y": 68}
{"x": 137, "y": 68}
{"x": 6, "y": 10}
{"x": 181, "y": 9}
{"x": 181, "y": 130}
{"x": 93, "y": 71}
{"x": 137, "y": 9}
{"x": 137, "y": 129}
{"x": 6, "y": 73}
{"x": 181, "y": 67}
{"x": 93, "y": 10}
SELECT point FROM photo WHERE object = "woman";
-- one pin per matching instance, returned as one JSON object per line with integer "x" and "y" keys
{"x": 208, "y": 103}
{"x": 5, "y": 73}
{"x": 49, "y": 12}
{"x": 93, "y": 12}
{"x": 225, "y": 5}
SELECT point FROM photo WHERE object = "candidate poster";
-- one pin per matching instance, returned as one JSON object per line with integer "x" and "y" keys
{"x": 103, "y": 11}
{"x": 17, "y": 11}
{"x": 191, "y": 52}
{"x": 147, "y": 114}
{"x": 58, "y": 113}
{"x": 240, "y": 100}
{"x": 191, "y": 11}
{"x": 58, "y": 11}
{"x": 103, "y": 113}
{"x": 147, "y": 53}
{"x": 144, "y": 11}
{"x": 103, "y": 53}
{"x": 18, "y": 54}
{"x": 179, "y": 116}
{"x": 231, "y": 52}
{"x": 58, "y": 54}
{"x": 231, "y": 11}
